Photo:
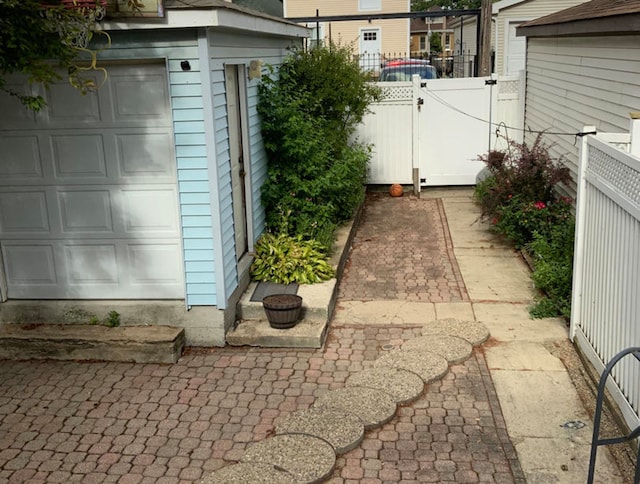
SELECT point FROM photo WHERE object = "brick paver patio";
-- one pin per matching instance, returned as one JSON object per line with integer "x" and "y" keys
{"x": 403, "y": 250}
{"x": 134, "y": 423}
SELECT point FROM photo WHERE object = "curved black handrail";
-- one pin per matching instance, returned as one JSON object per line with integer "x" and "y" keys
{"x": 596, "y": 441}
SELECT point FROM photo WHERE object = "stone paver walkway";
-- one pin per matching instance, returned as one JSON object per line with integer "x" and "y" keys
{"x": 402, "y": 250}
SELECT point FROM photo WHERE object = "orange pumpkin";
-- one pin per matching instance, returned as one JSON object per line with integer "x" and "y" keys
{"x": 396, "y": 190}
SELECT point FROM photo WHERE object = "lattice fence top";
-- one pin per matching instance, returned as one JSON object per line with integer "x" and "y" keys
{"x": 400, "y": 92}
{"x": 625, "y": 178}
{"x": 509, "y": 87}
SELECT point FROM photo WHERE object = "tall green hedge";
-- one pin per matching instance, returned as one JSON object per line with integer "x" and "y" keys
{"x": 310, "y": 109}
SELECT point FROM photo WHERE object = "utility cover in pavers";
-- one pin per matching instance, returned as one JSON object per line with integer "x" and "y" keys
{"x": 249, "y": 473}
{"x": 428, "y": 366}
{"x": 375, "y": 408}
{"x": 473, "y": 332}
{"x": 307, "y": 458}
{"x": 402, "y": 385}
{"x": 454, "y": 350}
{"x": 343, "y": 430}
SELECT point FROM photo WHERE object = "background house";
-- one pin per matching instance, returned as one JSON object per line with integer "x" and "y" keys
{"x": 509, "y": 50}
{"x": 422, "y": 30}
{"x": 144, "y": 196}
{"x": 370, "y": 38}
{"x": 271, "y": 7}
{"x": 507, "y": 16}
{"x": 583, "y": 68}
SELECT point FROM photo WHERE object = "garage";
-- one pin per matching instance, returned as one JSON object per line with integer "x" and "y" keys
{"x": 88, "y": 192}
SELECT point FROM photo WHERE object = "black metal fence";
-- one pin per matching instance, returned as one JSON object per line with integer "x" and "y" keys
{"x": 461, "y": 65}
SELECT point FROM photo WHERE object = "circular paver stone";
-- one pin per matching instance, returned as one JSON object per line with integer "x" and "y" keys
{"x": 308, "y": 459}
{"x": 343, "y": 430}
{"x": 428, "y": 366}
{"x": 249, "y": 473}
{"x": 375, "y": 408}
{"x": 473, "y": 332}
{"x": 403, "y": 386}
{"x": 453, "y": 349}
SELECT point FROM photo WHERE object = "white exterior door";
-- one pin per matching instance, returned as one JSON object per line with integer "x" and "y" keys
{"x": 452, "y": 129}
{"x": 515, "y": 51}
{"x": 236, "y": 154}
{"x": 88, "y": 192}
{"x": 370, "y": 46}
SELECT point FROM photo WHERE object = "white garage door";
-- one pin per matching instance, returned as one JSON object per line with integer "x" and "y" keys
{"x": 88, "y": 194}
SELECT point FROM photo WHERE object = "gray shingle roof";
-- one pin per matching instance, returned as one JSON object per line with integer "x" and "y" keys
{"x": 595, "y": 9}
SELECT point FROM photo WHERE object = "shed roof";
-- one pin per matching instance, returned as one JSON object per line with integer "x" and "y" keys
{"x": 594, "y": 17}
{"x": 211, "y": 13}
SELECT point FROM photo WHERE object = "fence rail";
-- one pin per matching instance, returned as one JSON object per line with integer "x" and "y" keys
{"x": 605, "y": 307}
{"x": 461, "y": 65}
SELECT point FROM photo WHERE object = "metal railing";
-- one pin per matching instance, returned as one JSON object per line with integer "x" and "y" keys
{"x": 462, "y": 65}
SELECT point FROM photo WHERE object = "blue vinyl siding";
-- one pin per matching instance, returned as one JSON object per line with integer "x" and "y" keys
{"x": 204, "y": 177}
{"x": 229, "y": 48}
{"x": 185, "y": 91}
{"x": 193, "y": 180}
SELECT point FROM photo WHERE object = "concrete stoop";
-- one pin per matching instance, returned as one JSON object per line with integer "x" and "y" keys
{"x": 137, "y": 344}
{"x": 318, "y": 303}
{"x": 253, "y": 329}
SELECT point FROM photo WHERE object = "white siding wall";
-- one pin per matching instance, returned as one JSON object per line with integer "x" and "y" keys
{"x": 522, "y": 12}
{"x": 577, "y": 81}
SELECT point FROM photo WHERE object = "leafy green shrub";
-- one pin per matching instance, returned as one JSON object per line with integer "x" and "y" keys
{"x": 284, "y": 259}
{"x": 309, "y": 113}
{"x": 528, "y": 172}
{"x": 553, "y": 256}
{"x": 521, "y": 199}
{"x": 518, "y": 221}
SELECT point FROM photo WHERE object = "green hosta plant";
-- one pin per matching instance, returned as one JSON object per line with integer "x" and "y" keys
{"x": 284, "y": 259}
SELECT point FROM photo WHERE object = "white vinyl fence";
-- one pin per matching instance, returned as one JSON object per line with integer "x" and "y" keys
{"x": 411, "y": 119}
{"x": 605, "y": 316}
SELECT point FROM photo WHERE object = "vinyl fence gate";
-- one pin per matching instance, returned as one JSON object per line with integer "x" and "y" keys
{"x": 431, "y": 132}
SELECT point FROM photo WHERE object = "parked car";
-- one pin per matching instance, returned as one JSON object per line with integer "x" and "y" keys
{"x": 404, "y": 69}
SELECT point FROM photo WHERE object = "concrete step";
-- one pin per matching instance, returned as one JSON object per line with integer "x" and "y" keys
{"x": 139, "y": 344}
{"x": 318, "y": 303}
{"x": 258, "y": 332}
{"x": 253, "y": 329}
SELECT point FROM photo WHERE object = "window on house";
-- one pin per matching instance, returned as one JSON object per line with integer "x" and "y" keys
{"x": 447, "y": 41}
{"x": 370, "y": 4}
{"x": 423, "y": 42}
{"x": 370, "y": 35}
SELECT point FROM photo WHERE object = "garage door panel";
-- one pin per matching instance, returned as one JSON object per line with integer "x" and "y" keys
{"x": 91, "y": 264}
{"x": 85, "y": 211}
{"x": 21, "y": 117}
{"x": 24, "y": 212}
{"x": 28, "y": 265}
{"x": 20, "y": 159}
{"x": 139, "y": 98}
{"x": 145, "y": 155}
{"x": 64, "y": 104}
{"x": 150, "y": 211}
{"x": 88, "y": 193}
{"x": 154, "y": 264}
{"x": 78, "y": 155}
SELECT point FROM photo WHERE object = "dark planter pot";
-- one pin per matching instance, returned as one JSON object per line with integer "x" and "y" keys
{"x": 282, "y": 310}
